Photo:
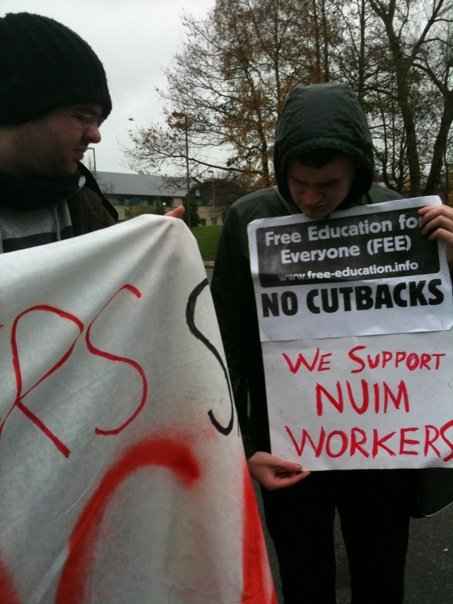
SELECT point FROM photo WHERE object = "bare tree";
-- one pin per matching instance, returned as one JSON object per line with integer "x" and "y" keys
{"x": 238, "y": 64}
{"x": 231, "y": 80}
{"x": 414, "y": 33}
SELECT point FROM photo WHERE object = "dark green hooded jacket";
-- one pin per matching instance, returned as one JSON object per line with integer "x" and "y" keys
{"x": 314, "y": 118}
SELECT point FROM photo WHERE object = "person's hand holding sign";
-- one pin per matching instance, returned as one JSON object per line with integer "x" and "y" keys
{"x": 273, "y": 472}
{"x": 437, "y": 223}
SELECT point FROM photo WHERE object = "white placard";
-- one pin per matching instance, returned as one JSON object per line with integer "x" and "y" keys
{"x": 365, "y": 402}
{"x": 355, "y": 316}
{"x": 367, "y": 271}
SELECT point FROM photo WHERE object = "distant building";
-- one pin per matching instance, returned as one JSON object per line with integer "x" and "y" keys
{"x": 154, "y": 194}
{"x": 134, "y": 194}
{"x": 211, "y": 215}
{"x": 214, "y": 196}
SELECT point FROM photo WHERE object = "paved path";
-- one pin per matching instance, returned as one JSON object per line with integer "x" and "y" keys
{"x": 429, "y": 576}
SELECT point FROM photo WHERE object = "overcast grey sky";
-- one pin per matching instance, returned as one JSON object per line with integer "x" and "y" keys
{"x": 136, "y": 40}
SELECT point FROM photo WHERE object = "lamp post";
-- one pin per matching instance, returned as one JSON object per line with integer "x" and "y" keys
{"x": 93, "y": 160}
{"x": 212, "y": 175}
{"x": 181, "y": 121}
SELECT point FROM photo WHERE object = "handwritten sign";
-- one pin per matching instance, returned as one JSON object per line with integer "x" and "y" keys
{"x": 122, "y": 471}
{"x": 381, "y": 395}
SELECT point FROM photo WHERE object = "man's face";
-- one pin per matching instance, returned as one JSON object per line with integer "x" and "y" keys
{"x": 319, "y": 191}
{"x": 54, "y": 144}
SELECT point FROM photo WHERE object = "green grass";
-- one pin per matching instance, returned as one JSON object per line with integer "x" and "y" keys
{"x": 208, "y": 239}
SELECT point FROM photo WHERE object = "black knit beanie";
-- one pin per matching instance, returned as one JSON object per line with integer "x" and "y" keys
{"x": 44, "y": 65}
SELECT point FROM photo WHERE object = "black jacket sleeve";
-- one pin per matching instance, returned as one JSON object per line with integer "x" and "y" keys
{"x": 234, "y": 301}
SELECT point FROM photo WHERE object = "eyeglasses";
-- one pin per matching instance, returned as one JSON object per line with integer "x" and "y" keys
{"x": 88, "y": 118}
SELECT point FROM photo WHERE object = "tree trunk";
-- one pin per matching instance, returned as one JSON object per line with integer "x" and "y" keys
{"x": 440, "y": 147}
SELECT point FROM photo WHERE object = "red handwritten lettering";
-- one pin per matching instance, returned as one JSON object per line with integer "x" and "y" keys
{"x": 377, "y": 397}
{"x": 319, "y": 362}
{"x": 432, "y": 434}
{"x": 342, "y": 441}
{"x": 356, "y": 359}
{"x": 412, "y": 361}
{"x": 443, "y": 430}
{"x": 387, "y": 356}
{"x": 119, "y": 359}
{"x": 438, "y": 356}
{"x": 405, "y": 441}
{"x": 425, "y": 360}
{"x": 357, "y": 407}
{"x": 400, "y": 357}
{"x": 306, "y": 438}
{"x": 371, "y": 443}
{"x": 379, "y": 443}
{"x": 322, "y": 393}
{"x": 152, "y": 452}
{"x": 400, "y": 400}
{"x": 20, "y": 394}
{"x": 367, "y": 403}
{"x": 324, "y": 362}
{"x": 358, "y": 439}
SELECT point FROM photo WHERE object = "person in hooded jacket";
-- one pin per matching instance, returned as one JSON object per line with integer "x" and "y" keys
{"x": 53, "y": 99}
{"x": 323, "y": 159}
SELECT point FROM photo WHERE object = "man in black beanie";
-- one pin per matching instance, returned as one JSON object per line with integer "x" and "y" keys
{"x": 53, "y": 99}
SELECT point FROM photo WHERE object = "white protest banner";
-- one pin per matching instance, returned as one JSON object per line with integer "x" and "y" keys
{"x": 357, "y": 344}
{"x": 121, "y": 468}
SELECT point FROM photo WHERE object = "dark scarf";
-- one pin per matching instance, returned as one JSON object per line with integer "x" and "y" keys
{"x": 35, "y": 192}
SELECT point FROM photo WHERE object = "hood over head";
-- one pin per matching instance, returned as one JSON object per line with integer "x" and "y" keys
{"x": 323, "y": 117}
